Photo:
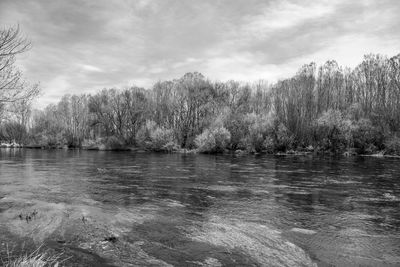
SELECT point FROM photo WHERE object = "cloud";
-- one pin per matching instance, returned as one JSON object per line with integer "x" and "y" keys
{"x": 83, "y": 46}
{"x": 285, "y": 15}
{"x": 90, "y": 68}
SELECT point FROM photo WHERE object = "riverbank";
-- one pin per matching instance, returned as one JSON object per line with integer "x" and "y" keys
{"x": 348, "y": 153}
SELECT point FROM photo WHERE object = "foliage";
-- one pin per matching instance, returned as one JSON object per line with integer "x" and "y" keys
{"x": 162, "y": 140}
{"x": 328, "y": 107}
{"x": 237, "y": 126}
{"x": 156, "y": 138}
{"x": 392, "y": 146}
{"x": 366, "y": 138}
{"x": 13, "y": 132}
{"x": 284, "y": 140}
{"x": 47, "y": 129}
{"x": 259, "y": 128}
{"x": 112, "y": 143}
{"x": 332, "y": 130}
{"x": 205, "y": 142}
{"x": 213, "y": 140}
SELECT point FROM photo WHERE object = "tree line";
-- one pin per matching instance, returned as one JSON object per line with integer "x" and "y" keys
{"x": 321, "y": 108}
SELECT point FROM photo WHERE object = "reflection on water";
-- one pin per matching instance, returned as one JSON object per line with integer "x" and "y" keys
{"x": 201, "y": 210}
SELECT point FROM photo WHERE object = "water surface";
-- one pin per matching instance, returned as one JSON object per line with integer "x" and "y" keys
{"x": 145, "y": 209}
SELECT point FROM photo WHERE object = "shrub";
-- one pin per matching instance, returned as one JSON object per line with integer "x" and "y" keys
{"x": 365, "y": 137}
{"x": 51, "y": 140}
{"x": 113, "y": 143}
{"x": 90, "y": 143}
{"x": 333, "y": 132}
{"x": 205, "y": 142}
{"x": 238, "y": 128}
{"x": 170, "y": 147}
{"x": 284, "y": 140}
{"x": 13, "y": 132}
{"x": 222, "y": 138}
{"x": 269, "y": 145}
{"x": 156, "y": 138}
{"x": 143, "y": 135}
{"x": 162, "y": 139}
{"x": 258, "y": 128}
{"x": 213, "y": 140}
{"x": 392, "y": 146}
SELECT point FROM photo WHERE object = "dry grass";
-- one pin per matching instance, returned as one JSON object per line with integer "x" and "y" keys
{"x": 34, "y": 259}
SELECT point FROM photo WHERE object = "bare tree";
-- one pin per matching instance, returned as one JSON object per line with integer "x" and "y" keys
{"x": 13, "y": 87}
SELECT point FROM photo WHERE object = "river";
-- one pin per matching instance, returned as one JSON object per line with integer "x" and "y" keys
{"x": 146, "y": 209}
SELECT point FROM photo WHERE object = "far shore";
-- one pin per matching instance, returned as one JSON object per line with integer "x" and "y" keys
{"x": 350, "y": 153}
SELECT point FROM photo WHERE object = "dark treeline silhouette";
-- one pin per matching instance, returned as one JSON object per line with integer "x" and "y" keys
{"x": 326, "y": 108}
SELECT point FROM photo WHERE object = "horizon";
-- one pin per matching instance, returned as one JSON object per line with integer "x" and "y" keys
{"x": 82, "y": 47}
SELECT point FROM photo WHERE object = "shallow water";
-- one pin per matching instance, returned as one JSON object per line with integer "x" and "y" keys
{"x": 144, "y": 209}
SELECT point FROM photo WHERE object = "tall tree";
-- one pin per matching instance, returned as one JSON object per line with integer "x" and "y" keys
{"x": 13, "y": 87}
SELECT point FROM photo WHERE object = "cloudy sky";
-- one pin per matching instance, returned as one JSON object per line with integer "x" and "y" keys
{"x": 82, "y": 46}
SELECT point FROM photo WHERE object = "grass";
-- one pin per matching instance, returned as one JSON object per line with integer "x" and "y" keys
{"x": 34, "y": 259}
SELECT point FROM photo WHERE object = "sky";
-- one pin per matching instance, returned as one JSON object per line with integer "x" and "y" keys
{"x": 81, "y": 46}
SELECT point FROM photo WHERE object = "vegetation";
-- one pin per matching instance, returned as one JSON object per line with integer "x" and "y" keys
{"x": 34, "y": 259}
{"x": 213, "y": 140}
{"x": 327, "y": 108}
{"x": 153, "y": 137}
{"x": 39, "y": 260}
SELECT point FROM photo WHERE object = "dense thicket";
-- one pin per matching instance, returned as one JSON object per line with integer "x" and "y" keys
{"x": 326, "y": 108}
